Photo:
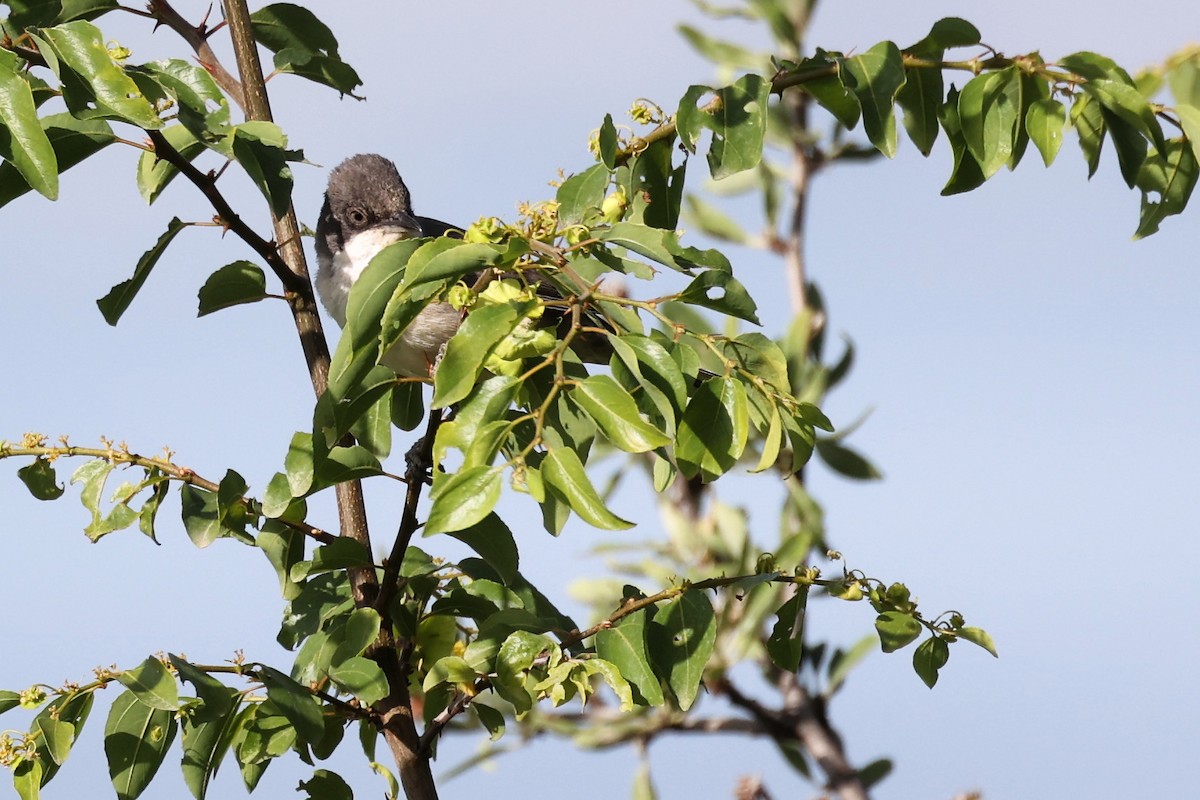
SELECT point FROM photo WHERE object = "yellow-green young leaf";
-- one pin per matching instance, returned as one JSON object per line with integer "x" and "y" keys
{"x": 615, "y": 411}
{"x": 563, "y": 471}
{"x": 1189, "y": 118}
{"x": 980, "y": 637}
{"x": 930, "y": 656}
{"x": 449, "y": 258}
{"x": 80, "y": 46}
{"x": 875, "y": 77}
{"x": 154, "y": 173}
{"x": 714, "y": 429}
{"x": 772, "y": 442}
{"x": 463, "y": 499}
{"x": 451, "y": 669}
{"x": 516, "y": 655}
{"x": 136, "y": 738}
{"x": 613, "y": 677}
{"x": 989, "y": 109}
{"x": 896, "y": 630}
{"x": 624, "y": 645}
{"x": 152, "y": 684}
{"x": 682, "y": 639}
{"x": 27, "y": 779}
{"x": 231, "y": 285}
{"x": 22, "y": 139}
{"x": 1044, "y": 122}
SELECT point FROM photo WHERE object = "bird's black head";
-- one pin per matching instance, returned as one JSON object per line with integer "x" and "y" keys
{"x": 365, "y": 192}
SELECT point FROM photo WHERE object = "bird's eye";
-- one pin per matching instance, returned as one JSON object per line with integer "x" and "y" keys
{"x": 357, "y": 216}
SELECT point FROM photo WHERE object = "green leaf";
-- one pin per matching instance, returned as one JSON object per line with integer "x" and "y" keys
{"x": 204, "y": 746}
{"x": 231, "y": 285}
{"x": 22, "y": 139}
{"x": 714, "y": 429}
{"x": 842, "y": 663}
{"x": 28, "y": 778}
{"x": 469, "y": 348}
{"x": 1166, "y": 184}
{"x": 494, "y": 542}
{"x": 1044, "y": 122}
{"x": 296, "y": 703}
{"x": 785, "y": 645}
{"x": 136, "y": 738}
{"x": 217, "y": 699}
{"x": 39, "y": 478}
{"x": 921, "y": 99}
{"x": 1088, "y": 121}
{"x": 720, "y": 291}
{"x": 201, "y": 518}
{"x": 326, "y": 785}
{"x": 760, "y": 356}
{"x": 152, "y": 684}
{"x": 624, "y": 644}
{"x": 563, "y": 472}
{"x": 362, "y": 677}
{"x": 9, "y": 700}
{"x": 929, "y": 657}
{"x": 115, "y": 303}
{"x": 615, "y": 411}
{"x": 896, "y": 630}
{"x": 73, "y": 141}
{"x": 846, "y": 462}
{"x": 989, "y": 110}
{"x": 946, "y": 33}
{"x": 80, "y": 46}
{"x": 581, "y": 194}
{"x": 72, "y": 709}
{"x": 303, "y": 46}
{"x": 342, "y": 553}
{"x": 57, "y": 737}
{"x": 725, "y": 54}
{"x": 875, "y": 78}
{"x": 980, "y": 637}
{"x": 445, "y": 258}
{"x": 260, "y": 148}
{"x": 966, "y": 174}
{"x": 681, "y": 641}
{"x": 607, "y": 141}
{"x": 463, "y": 499}
{"x": 738, "y": 123}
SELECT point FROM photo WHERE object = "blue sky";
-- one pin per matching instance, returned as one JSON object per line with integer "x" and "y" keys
{"x": 1032, "y": 375}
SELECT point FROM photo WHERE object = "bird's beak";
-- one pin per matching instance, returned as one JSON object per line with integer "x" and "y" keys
{"x": 401, "y": 226}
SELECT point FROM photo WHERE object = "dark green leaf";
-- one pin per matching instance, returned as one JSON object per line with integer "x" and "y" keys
{"x": 624, "y": 644}
{"x": 714, "y": 428}
{"x": 846, "y": 462}
{"x": 204, "y": 746}
{"x": 896, "y": 630}
{"x": 988, "y": 110}
{"x": 722, "y": 292}
{"x": 875, "y": 77}
{"x": 218, "y": 700}
{"x": 114, "y": 304}
{"x": 785, "y": 645}
{"x": 737, "y": 122}
{"x": 40, "y": 480}
{"x": 921, "y": 99}
{"x": 342, "y": 553}
{"x": 929, "y": 657}
{"x": 152, "y": 684}
{"x": 136, "y": 738}
{"x": 73, "y": 141}
{"x": 260, "y": 147}
{"x": 681, "y": 640}
{"x": 1166, "y": 184}
{"x": 1088, "y": 120}
{"x": 608, "y": 143}
{"x": 296, "y": 703}
{"x": 582, "y": 194}
{"x": 23, "y": 142}
{"x": 231, "y": 285}
{"x": 326, "y": 785}
{"x": 494, "y": 542}
{"x": 967, "y": 174}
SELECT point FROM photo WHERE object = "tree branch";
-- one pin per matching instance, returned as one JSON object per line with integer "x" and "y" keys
{"x": 197, "y": 38}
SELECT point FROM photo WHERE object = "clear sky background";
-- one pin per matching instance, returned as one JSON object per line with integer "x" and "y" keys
{"x": 1033, "y": 375}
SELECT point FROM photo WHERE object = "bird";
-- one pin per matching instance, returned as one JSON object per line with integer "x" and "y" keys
{"x": 367, "y": 207}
